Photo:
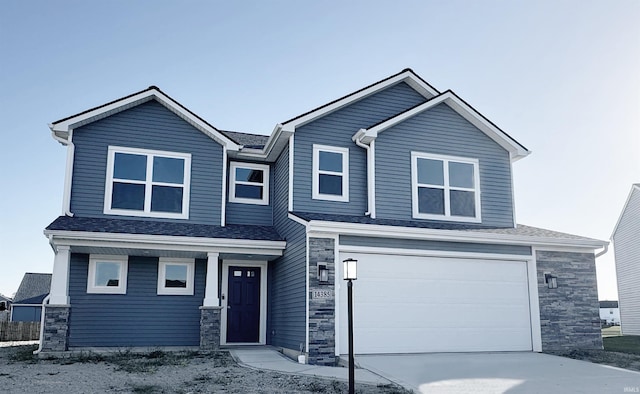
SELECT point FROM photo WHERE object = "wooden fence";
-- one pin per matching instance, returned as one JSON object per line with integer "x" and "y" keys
{"x": 19, "y": 331}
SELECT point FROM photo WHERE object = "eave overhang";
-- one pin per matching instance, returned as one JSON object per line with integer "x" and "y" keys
{"x": 63, "y": 127}
{"x": 516, "y": 150}
{"x": 472, "y": 236}
{"x": 88, "y": 239}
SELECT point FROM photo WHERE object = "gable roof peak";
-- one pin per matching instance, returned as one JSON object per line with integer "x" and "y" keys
{"x": 62, "y": 128}
{"x": 407, "y": 75}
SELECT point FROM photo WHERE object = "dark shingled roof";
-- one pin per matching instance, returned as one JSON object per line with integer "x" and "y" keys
{"x": 33, "y": 286}
{"x": 520, "y": 230}
{"x": 248, "y": 140}
{"x": 131, "y": 226}
{"x": 608, "y": 304}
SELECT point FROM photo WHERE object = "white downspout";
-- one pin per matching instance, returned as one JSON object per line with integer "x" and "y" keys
{"x": 66, "y": 196}
{"x": 371, "y": 204}
{"x": 39, "y": 349}
{"x": 603, "y": 251}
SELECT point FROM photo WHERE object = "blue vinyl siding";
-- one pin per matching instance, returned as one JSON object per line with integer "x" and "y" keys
{"x": 374, "y": 242}
{"x": 440, "y": 130}
{"x": 286, "y": 276}
{"x": 259, "y": 215}
{"x": 138, "y": 318}
{"x": 147, "y": 126}
{"x": 336, "y": 129}
{"x": 26, "y": 313}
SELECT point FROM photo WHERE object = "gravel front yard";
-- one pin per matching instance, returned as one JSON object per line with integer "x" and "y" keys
{"x": 155, "y": 372}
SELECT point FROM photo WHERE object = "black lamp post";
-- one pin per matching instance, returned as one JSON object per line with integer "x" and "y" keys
{"x": 350, "y": 275}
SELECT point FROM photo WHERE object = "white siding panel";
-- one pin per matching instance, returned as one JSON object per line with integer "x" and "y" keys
{"x": 626, "y": 241}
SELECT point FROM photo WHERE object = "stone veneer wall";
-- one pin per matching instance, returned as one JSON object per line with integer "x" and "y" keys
{"x": 210, "y": 327}
{"x": 322, "y": 298}
{"x": 569, "y": 315}
{"x": 56, "y": 328}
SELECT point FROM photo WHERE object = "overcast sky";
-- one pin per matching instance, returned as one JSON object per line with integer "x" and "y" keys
{"x": 562, "y": 77}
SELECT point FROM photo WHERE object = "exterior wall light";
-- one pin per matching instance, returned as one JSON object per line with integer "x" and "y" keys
{"x": 551, "y": 280}
{"x": 350, "y": 271}
{"x": 323, "y": 273}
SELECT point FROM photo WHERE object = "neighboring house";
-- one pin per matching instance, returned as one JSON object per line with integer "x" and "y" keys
{"x": 175, "y": 233}
{"x": 27, "y": 303}
{"x": 626, "y": 245}
{"x": 5, "y": 303}
{"x": 609, "y": 312}
{"x": 5, "y": 307}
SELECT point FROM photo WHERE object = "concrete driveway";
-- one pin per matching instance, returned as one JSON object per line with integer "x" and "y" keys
{"x": 500, "y": 373}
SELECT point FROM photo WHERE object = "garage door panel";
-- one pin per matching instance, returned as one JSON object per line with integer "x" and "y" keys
{"x": 427, "y": 304}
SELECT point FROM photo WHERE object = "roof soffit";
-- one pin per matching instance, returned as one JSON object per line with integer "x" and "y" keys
{"x": 63, "y": 127}
{"x": 515, "y": 149}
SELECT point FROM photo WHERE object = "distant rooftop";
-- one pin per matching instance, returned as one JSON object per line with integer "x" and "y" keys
{"x": 33, "y": 285}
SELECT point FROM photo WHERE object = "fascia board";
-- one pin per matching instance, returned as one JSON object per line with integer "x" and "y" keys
{"x": 76, "y": 237}
{"x": 134, "y": 100}
{"x": 407, "y": 76}
{"x": 377, "y": 230}
{"x": 516, "y": 152}
{"x": 624, "y": 208}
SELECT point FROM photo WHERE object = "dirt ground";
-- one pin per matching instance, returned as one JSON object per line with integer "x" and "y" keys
{"x": 155, "y": 372}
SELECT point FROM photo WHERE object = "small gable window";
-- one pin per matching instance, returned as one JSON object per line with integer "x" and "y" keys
{"x": 147, "y": 183}
{"x": 249, "y": 183}
{"x": 175, "y": 276}
{"x": 445, "y": 187}
{"x": 330, "y": 173}
{"x": 107, "y": 274}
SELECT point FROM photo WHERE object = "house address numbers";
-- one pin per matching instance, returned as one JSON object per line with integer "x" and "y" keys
{"x": 316, "y": 294}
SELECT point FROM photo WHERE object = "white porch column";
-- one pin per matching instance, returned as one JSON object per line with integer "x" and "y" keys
{"x": 59, "y": 294}
{"x": 211, "y": 286}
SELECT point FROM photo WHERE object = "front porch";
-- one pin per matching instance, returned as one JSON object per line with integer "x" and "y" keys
{"x": 163, "y": 291}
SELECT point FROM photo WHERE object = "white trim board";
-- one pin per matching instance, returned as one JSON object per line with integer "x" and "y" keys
{"x": 385, "y": 231}
{"x": 63, "y": 127}
{"x": 263, "y": 299}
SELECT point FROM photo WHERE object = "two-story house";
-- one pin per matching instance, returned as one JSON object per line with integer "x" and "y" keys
{"x": 175, "y": 233}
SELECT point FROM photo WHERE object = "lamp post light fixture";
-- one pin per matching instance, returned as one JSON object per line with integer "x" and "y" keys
{"x": 350, "y": 274}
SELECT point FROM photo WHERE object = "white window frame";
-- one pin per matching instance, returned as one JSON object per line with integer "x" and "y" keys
{"x": 123, "y": 260}
{"x": 148, "y": 182}
{"x": 316, "y": 195}
{"x": 233, "y": 182}
{"x": 447, "y": 201}
{"x": 162, "y": 272}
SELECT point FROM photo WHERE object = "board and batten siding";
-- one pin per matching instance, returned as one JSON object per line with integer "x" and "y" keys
{"x": 252, "y": 214}
{"x": 138, "y": 318}
{"x": 626, "y": 246}
{"x": 147, "y": 126}
{"x": 286, "y": 275}
{"x": 336, "y": 129}
{"x": 447, "y": 246}
{"x": 440, "y": 130}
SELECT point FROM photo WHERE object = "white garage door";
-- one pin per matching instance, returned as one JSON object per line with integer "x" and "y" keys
{"x": 414, "y": 304}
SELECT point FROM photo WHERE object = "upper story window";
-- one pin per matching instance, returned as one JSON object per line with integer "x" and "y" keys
{"x": 249, "y": 183}
{"x": 330, "y": 173}
{"x": 445, "y": 187}
{"x": 147, "y": 183}
{"x": 107, "y": 274}
{"x": 175, "y": 276}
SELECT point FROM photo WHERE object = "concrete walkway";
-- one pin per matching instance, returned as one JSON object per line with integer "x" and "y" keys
{"x": 268, "y": 358}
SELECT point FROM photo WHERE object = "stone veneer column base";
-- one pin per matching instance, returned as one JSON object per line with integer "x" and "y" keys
{"x": 210, "y": 327}
{"x": 569, "y": 314}
{"x": 322, "y": 304}
{"x": 56, "y": 328}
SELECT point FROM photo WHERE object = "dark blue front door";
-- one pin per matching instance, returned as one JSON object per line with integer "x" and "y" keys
{"x": 243, "y": 305}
